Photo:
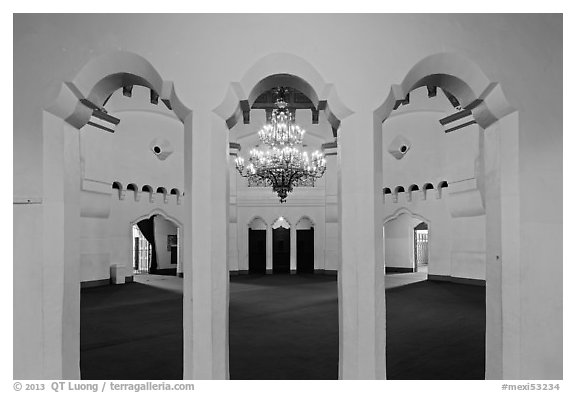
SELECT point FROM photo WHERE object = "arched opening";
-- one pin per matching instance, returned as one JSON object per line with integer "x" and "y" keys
{"x": 257, "y": 246}
{"x": 305, "y": 246}
{"x": 155, "y": 246}
{"x": 81, "y": 103}
{"x": 281, "y": 246}
{"x": 406, "y": 244}
{"x": 474, "y": 109}
{"x": 243, "y": 110}
{"x": 421, "y": 247}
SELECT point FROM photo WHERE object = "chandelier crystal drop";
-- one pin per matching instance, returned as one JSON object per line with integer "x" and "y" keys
{"x": 282, "y": 163}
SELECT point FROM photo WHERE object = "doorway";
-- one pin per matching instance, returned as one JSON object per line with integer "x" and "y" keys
{"x": 141, "y": 251}
{"x": 256, "y": 251}
{"x": 421, "y": 247}
{"x": 281, "y": 250}
{"x": 305, "y": 250}
{"x": 155, "y": 246}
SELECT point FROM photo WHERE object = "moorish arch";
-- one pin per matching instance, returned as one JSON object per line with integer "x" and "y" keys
{"x": 271, "y": 71}
{"x": 395, "y": 215}
{"x": 498, "y": 121}
{"x": 77, "y": 101}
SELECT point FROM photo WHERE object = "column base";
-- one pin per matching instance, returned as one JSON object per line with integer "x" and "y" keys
{"x": 269, "y": 271}
{"x": 293, "y": 271}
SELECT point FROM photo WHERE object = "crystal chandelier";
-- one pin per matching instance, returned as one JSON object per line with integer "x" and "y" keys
{"x": 281, "y": 163}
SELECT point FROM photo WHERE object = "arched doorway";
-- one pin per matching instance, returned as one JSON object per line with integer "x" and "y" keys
{"x": 80, "y": 103}
{"x": 155, "y": 246}
{"x": 281, "y": 246}
{"x": 405, "y": 243}
{"x": 272, "y": 71}
{"x": 257, "y": 246}
{"x": 305, "y": 246}
{"x": 421, "y": 247}
{"x": 478, "y": 187}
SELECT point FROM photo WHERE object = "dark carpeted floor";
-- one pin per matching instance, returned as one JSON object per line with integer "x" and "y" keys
{"x": 131, "y": 331}
{"x": 435, "y": 330}
{"x": 283, "y": 327}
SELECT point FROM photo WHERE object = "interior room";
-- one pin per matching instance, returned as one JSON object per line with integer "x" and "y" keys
{"x": 381, "y": 200}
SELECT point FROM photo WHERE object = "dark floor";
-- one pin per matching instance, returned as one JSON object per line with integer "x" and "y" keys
{"x": 283, "y": 327}
{"x": 435, "y": 330}
{"x": 130, "y": 331}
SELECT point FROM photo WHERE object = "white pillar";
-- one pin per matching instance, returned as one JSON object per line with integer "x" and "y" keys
{"x": 269, "y": 249}
{"x": 362, "y": 317}
{"x": 60, "y": 260}
{"x": 293, "y": 249}
{"x": 206, "y": 272}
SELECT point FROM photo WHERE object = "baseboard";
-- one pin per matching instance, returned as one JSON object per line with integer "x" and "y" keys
{"x": 392, "y": 269}
{"x": 238, "y": 272}
{"x": 129, "y": 279}
{"x": 293, "y": 271}
{"x": 269, "y": 271}
{"x": 94, "y": 283}
{"x": 457, "y": 280}
{"x": 328, "y": 272}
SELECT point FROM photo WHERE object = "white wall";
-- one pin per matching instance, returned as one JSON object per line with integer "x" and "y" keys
{"x": 163, "y": 228}
{"x": 399, "y": 242}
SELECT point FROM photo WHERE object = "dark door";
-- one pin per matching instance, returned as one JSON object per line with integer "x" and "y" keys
{"x": 174, "y": 255}
{"x": 305, "y": 250}
{"x": 256, "y": 251}
{"x": 281, "y": 248}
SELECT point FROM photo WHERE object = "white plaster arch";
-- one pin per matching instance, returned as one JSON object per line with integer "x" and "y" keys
{"x": 458, "y": 75}
{"x": 499, "y": 124}
{"x": 156, "y": 212}
{"x": 63, "y": 186}
{"x": 105, "y": 74}
{"x": 404, "y": 210}
{"x": 281, "y": 69}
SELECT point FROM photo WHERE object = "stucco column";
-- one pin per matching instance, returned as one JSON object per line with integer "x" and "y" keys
{"x": 293, "y": 256}
{"x": 362, "y": 318}
{"x": 206, "y": 273}
{"x": 269, "y": 249}
{"x": 60, "y": 260}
